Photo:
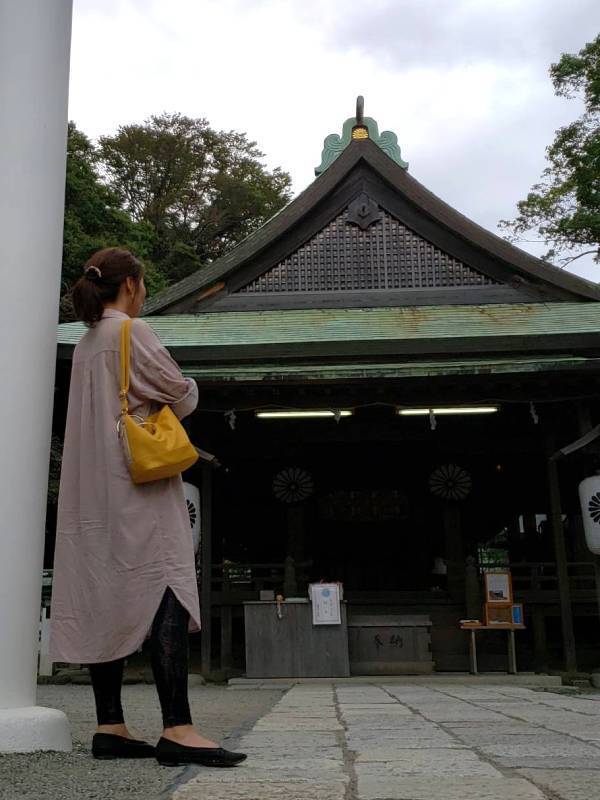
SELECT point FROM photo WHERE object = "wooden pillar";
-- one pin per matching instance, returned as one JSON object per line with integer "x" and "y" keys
{"x": 295, "y": 541}
{"x": 226, "y": 623}
{"x": 472, "y": 590}
{"x": 530, "y": 539}
{"x": 564, "y": 590}
{"x": 206, "y": 570}
{"x": 515, "y": 546}
{"x": 540, "y": 645}
{"x": 454, "y": 552}
{"x": 538, "y": 616}
{"x": 226, "y": 637}
{"x": 290, "y": 581}
{"x": 597, "y": 575}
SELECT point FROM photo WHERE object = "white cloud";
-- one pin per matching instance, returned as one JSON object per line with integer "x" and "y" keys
{"x": 449, "y": 32}
{"x": 464, "y": 84}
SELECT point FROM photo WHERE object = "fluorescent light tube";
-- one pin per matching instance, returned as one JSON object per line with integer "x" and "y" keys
{"x": 423, "y": 412}
{"x": 304, "y": 414}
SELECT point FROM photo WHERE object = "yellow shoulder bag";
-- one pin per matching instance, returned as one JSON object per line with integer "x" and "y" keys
{"x": 155, "y": 447}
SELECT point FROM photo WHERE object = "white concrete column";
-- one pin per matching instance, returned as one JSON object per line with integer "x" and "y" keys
{"x": 35, "y": 37}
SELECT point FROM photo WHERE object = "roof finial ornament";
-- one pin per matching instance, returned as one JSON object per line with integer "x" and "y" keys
{"x": 360, "y": 110}
{"x": 360, "y": 130}
{"x": 357, "y": 128}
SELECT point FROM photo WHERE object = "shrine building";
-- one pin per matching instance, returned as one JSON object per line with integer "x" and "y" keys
{"x": 386, "y": 387}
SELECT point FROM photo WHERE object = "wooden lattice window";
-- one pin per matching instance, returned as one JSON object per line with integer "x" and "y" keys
{"x": 386, "y": 255}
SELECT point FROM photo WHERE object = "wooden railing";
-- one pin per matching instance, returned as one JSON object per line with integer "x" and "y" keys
{"x": 248, "y": 579}
{"x": 232, "y": 583}
{"x": 534, "y": 583}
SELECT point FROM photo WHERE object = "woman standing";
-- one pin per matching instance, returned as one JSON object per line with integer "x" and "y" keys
{"x": 124, "y": 562}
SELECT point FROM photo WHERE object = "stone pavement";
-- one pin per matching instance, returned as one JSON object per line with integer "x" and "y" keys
{"x": 219, "y": 713}
{"x": 414, "y": 742}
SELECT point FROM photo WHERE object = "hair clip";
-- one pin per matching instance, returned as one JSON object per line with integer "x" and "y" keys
{"x": 92, "y": 273}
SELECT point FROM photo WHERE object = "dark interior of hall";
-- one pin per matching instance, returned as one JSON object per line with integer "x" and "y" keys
{"x": 368, "y": 516}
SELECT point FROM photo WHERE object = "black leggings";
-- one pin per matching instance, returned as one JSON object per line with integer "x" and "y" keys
{"x": 169, "y": 658}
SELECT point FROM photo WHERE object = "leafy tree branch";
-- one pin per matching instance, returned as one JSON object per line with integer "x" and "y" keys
{"x": 564, "y": 207}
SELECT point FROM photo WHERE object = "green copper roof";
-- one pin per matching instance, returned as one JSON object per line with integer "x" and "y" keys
{"x": 370, "y": 330}
{"x": 334, "y": 145}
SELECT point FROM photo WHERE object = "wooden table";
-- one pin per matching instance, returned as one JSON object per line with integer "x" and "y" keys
{"x": 512, "y": 660}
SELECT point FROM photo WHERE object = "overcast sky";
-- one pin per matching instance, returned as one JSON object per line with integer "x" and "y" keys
{"x": 463, "y": 83}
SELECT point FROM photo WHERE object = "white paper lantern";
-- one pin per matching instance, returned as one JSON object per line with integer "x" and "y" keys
{"x": 192, "y": 499}
{"x": 589, "y": 497}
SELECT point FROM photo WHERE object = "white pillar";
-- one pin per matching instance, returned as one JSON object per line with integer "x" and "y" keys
{"x": 35, "y": 38}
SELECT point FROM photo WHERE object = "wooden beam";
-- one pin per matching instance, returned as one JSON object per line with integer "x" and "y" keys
{"x": 212, "y": 290}
{"x": 206, "y": 570}
{"x": 371, "y": 298}
{"x": 300, "y": 351}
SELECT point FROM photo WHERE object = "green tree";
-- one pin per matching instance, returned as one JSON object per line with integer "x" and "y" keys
{"x": 94, "y": 219}
{"x": 564, "y": 208}
{"x": 201, "y": 191}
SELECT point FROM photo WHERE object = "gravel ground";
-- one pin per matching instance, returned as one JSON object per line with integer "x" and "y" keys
{"x": 220, "y": 713}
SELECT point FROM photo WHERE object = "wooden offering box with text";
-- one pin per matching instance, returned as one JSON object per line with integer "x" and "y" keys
{"x": 390, "y": 645}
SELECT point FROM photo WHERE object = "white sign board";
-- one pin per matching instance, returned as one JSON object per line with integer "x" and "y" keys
{"x": 498, "y": 588}
{"x": 326, "y": 603}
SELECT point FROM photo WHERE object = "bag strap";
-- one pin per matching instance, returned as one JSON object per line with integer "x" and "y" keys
{"x": 125, "y": 356}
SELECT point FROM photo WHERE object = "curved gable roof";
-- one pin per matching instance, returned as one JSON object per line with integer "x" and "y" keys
{"x": 363, "y": 161}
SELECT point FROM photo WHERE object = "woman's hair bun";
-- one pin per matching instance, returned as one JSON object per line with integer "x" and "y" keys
{"x": 102, "y": 277}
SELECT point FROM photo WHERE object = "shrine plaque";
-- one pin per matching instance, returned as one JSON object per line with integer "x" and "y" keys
{"x": 325, "y": 600}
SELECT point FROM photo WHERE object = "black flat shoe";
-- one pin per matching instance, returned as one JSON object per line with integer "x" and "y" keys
{"x": 109, "y": 745}
{"x": 171, "y": 754}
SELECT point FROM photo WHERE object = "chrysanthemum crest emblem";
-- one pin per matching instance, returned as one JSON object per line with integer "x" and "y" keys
{"x": 594, "y": 507}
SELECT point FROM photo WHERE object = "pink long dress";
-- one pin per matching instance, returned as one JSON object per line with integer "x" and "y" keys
{"x": 118, "y": 545}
